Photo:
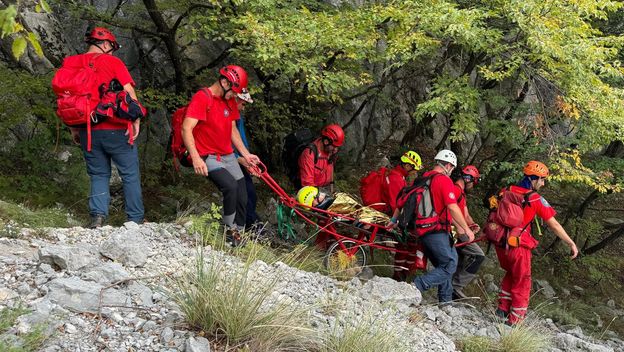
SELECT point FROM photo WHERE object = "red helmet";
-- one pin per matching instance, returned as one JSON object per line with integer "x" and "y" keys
{"x": 472, "y": 171}
{"x": 536, "y": 168}
{"x": 334, "y": 133}
{"x": 236, "y": 75}
{"x": 99, "y": 34}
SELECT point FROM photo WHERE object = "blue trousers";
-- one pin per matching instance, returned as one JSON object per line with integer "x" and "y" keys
{"x": 107, "y": 146}
{"x": 252, "y": 200}
{"x": 443, "y": 256}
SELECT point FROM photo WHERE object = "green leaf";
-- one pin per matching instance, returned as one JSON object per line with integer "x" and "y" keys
{"x": 45, "y": 6}
{"x": 34, "y": 41}
{"x": 37, "y": 8}
{"x": 19, "y": 47}
{"x": 7, "y": 20}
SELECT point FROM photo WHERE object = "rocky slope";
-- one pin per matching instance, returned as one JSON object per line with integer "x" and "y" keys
{"x": 106, "y": 289}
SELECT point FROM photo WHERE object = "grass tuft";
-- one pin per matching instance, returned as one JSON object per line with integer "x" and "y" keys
{"x": 230, "y": 305}
{"x": 30, "y": 342}
{"x": 527, "y": 336}
{"x": 361, "y": 335}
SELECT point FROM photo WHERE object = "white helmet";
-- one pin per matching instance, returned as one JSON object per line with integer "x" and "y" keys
{"x": 447, "y": 156}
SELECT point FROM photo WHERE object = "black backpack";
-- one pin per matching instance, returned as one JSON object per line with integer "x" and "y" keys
{"x": 418, "y": 216}
{"x": 294, "y": 144}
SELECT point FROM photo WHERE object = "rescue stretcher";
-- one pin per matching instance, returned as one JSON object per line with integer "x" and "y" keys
{"x": 350, "y": 237}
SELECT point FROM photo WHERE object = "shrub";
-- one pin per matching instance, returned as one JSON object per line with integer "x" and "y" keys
{"x": 230, "y": 305}
{"x": 362, "y": 335}
{"x": 478, "y": 344}
{"x": 527, "y": 336}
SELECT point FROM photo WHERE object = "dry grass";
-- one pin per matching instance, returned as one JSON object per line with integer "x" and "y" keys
{"x": 228, "y": 304}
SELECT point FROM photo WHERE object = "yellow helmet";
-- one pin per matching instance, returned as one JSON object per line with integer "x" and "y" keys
{"x": 412, "y": 158}
{"x": 306, "y": 195}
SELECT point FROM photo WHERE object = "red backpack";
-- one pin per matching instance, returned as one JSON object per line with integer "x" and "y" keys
{"x": 178, "y": 149}
{"x": 418, "y": 215}
{"x": 507, "y": 218}
{"x": 75, "y": 86}
{"x": 372, "y": 187}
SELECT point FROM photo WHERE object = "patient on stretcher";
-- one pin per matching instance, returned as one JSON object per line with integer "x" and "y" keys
{"x": 342, "y": 204}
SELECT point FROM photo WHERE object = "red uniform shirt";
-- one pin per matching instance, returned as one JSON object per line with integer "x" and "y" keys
{"x": 395, "y": 182}
{"x": 443, "y": 194}
{"x": 461, "y": 198}
{"x": 320, "y": 174}
{"x": 106, "y": 67}
{"x": 213, "y": 132}
{"x": 538, "y": 206}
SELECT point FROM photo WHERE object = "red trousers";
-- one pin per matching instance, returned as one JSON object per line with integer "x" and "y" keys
{"x": 404, "y": 263}
{"x": 516, "y": 284}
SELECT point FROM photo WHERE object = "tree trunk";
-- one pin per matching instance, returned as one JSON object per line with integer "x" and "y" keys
{"x": 168, "y": 38}
{"x": 605, "y": 242}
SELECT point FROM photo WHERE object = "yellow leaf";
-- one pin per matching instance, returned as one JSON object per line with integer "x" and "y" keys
{"x": 34, "y": 41}
{"x": 17, "y": 27}
{"x": 45, "y": 6}
{"x": 19, "y": 47}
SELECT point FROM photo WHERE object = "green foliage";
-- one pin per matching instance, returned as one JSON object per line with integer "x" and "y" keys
{"x": 20, "y": 215}
{"x": 10, "y": 25}
{"x": 454, "y": 97}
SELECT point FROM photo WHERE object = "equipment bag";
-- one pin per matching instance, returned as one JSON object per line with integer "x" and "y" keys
{"x": 75, "y": 86}
{"x": 178, "y": 149}
{"x": 507, "y": 218}
{"x": 418, "y": 215}
{"x": 372, "y": 187}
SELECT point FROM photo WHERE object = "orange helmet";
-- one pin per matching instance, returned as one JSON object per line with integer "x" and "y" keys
{"x": 536, "y": 168}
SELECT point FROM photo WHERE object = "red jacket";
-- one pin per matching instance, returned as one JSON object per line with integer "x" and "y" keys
{"x": 319, "y": 174}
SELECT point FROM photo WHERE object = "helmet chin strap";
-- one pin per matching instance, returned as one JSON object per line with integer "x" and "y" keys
{"x": 104, "y": 51}
{"x": 446, "y": 172}
{"x": 225, "y": 91}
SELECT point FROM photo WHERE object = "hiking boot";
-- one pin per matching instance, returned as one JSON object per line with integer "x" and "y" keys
{"x": 400, "y": 276}
{"x": 96, "y": 221}
{"x": 458, "y": 294}
{"x": 501, "y": 314}
{"x": 233, "y": 238}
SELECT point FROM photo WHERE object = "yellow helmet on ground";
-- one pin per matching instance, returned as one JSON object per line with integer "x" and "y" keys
{"x": 412, "y": 158}
{"x": 306, "y": 195}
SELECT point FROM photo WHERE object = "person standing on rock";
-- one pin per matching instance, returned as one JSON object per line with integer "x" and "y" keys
{"x": 470, "y": 256}
{"x": 515, "y": 258}
{"x": 210, "y": 135}
{"x": 439, "y": 244}
{"x": 109, "y": 140}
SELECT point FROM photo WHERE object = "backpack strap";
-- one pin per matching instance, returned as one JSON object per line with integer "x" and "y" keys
{"x": 314, "y": 150}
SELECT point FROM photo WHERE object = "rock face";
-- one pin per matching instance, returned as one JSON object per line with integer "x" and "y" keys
{"x": 67, "y": 295}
